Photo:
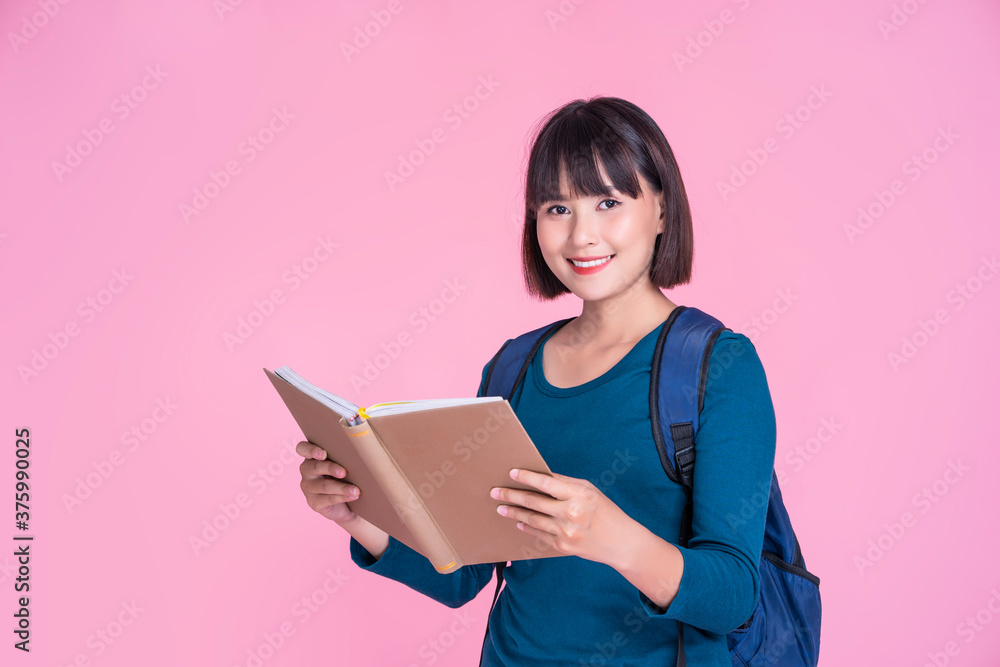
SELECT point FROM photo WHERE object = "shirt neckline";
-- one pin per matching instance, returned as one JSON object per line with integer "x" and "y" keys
{"x": 543, "y": 385}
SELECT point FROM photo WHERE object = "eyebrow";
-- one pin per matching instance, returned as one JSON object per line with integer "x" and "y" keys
{"x": 560, "y": 196}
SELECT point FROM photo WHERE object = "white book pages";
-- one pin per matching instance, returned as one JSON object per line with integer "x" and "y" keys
{"x": 349, "y": 410}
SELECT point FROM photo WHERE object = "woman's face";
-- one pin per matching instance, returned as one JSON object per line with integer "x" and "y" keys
{"x": 599, "y": 247}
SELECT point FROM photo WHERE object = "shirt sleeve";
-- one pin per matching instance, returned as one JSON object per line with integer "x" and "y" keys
{"x": 401, "y": 563}
{"x": 734, "y": 462}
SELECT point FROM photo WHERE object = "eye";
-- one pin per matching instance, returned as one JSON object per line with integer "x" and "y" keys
{"x": 614, "y": 203}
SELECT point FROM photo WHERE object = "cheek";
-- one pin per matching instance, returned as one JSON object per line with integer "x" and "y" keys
{"x": 632, "y": 232}
{"x": 550, "y": 244}
{"x": 548, "y": 239}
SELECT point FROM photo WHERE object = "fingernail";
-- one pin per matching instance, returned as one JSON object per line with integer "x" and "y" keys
{"x": 502, "y": 510}
{"x": 494, "y": 493}
{"x": 513, "y": 473}
{"x": 355, "y": 492}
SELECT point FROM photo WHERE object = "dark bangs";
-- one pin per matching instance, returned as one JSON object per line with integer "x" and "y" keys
{"x": 577, "y": 142}
{"x": 623, "y": 139}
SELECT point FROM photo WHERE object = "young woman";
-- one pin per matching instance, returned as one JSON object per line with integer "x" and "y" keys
{"x": 606, "y": 218}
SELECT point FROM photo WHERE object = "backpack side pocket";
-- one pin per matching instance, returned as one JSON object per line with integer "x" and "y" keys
{"x": 784, "y": 628}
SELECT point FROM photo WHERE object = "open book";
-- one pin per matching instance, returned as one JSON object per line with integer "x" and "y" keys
{"x": 425, "y": 468}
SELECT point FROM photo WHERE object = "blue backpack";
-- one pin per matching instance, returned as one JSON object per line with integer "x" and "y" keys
{"x": 783, "y": 630}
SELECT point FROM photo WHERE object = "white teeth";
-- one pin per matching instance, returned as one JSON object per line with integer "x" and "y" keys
{"x": 594, "y": 262}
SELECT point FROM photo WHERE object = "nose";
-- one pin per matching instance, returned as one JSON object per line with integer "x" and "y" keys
{"x": 584, "y": 232}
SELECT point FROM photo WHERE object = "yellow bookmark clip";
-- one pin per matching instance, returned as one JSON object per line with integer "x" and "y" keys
{"x": 364, "y": 414}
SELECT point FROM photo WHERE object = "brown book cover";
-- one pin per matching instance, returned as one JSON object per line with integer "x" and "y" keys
{"x": 425, "y": 476}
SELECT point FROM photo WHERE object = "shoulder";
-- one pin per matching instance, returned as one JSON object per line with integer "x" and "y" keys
{"x": 486, "y": 366}
{"x": 736, "y": 381}
{"x": 523, "y": 342}
{"x": 731, "y": 346}
{"x": 518, "y": 348}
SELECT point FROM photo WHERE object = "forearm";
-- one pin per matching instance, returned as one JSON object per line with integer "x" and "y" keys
{"x": 650, "y": 563}
{"x": 372, "y": 538}
{"x": 401, "y": 563}
{"x": 721, "y": 599}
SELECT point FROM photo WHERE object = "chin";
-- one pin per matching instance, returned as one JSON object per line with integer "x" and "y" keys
{"x": 591, "y": 294}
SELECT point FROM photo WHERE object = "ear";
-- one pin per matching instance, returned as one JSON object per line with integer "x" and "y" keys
{"x": 662, "y": 222}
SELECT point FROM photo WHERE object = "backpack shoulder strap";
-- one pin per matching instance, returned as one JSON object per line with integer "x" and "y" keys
{"x": 677, "y": 387}
{"x": 510, "y": 363}
{"x": 676, "y": 396}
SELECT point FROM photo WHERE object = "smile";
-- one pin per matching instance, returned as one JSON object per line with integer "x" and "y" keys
{"x": 588, "y": 265}
{"x": 593, "y": 262}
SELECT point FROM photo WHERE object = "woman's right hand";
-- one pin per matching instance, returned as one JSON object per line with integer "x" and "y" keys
{"x": 323, "y": 492}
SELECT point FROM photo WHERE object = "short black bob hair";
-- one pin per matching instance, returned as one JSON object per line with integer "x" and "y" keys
{"x": 625, "y": 141}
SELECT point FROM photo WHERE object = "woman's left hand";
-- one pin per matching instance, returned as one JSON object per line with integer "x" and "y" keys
{"x": 571, "y": 515}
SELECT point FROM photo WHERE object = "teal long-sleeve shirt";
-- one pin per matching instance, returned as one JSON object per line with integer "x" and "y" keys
{"x": 572, "y": 611}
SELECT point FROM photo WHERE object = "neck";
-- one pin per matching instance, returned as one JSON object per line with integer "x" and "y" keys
{"x": 626, "y": 317}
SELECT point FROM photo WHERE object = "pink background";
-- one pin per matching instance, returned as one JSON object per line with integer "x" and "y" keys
{"x": 162, "y": 336}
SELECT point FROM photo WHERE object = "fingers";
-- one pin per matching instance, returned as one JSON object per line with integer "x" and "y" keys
{"x": 320, "y": 483}
{"x": 314, "y": 468}
{"x": 329, "y": 496}
{"x": 320, "y": 477}
{"x": 555, "y": 487}
{"x": 529, "y": 499}
{"x": 541, "y": 523}
{"x": 325, "y": 486}
{"x": 308, "y": 450}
